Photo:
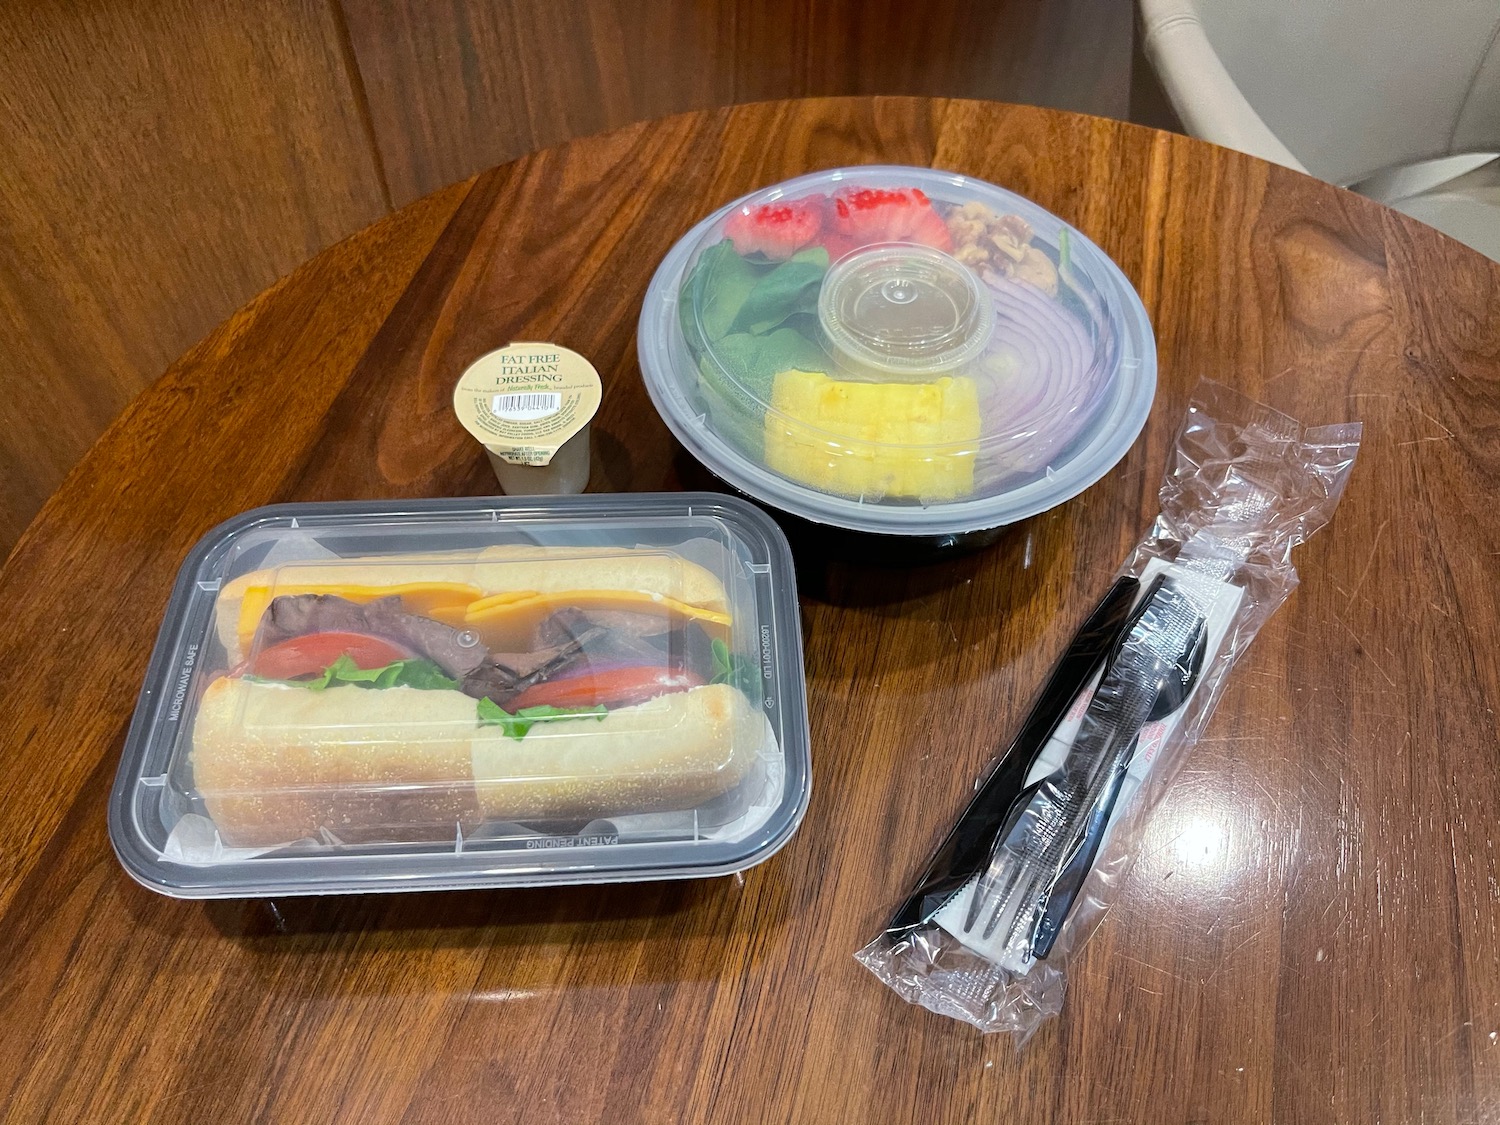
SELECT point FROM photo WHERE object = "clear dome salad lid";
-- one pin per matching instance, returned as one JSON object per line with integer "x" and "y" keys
{"x": 897, "y": 350}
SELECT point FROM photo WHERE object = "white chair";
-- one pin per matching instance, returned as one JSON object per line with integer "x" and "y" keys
{"x": 1397, "y": 99}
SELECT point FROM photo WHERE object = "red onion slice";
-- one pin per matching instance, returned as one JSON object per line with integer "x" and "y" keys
{"x": 1038, "y": 379}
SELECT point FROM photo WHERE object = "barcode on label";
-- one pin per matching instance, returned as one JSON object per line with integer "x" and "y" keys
{"x": 526, "y": 404}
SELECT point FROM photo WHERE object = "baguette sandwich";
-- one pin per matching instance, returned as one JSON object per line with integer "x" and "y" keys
{"x": 409, "y": 697}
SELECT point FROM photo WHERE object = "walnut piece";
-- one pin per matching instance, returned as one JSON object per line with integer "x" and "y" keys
{"x": 1008, "y": 246}
{"x": 1002, "y": 242}
{"x": 1017, "y": 228}
{"x": 1038, "y": 269}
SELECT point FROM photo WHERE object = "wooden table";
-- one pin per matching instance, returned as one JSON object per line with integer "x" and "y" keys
{"x": 1310, "y": 936}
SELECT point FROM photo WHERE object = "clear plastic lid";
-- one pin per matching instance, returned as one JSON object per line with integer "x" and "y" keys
{"x": 447, "y": 694}
{"x": 897, "y": 350}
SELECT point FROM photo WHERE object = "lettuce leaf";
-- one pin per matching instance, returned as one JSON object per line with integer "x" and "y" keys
{"x": 491, "y": 714}
{"x": 733, "y": 669}
{"x": 418, "y": 672}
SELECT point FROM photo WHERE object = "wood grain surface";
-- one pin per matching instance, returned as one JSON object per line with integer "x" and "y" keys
{"x": 166, "y": 160}
{"x": 163, "y": 163}
{"x": 462, "y": 84}
{"x": 1309, "y": 936}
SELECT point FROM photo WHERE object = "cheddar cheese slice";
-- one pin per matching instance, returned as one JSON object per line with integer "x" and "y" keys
{"x": 506, "y": 622}
{"x": 502, "y": 592}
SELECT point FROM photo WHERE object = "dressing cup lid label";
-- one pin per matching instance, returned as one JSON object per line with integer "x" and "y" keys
{"x": 526, "y": 400}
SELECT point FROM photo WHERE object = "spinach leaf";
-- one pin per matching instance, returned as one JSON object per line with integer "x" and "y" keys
{"x": 714, "y": 292}
{"x": 789, "y": 289}
{"x": 746, "y": 322}
{"x": 757, "y": 360}
{"x": 737, "y": 389}
{"x": 732, "y": 413}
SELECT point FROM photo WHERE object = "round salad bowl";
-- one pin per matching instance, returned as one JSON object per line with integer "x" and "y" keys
{"x": 896, "y": 357}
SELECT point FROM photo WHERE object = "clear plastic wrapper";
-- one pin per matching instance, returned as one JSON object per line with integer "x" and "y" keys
{"x": 1032, "y": 864}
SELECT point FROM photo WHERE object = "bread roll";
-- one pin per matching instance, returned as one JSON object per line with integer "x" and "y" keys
{"x": 555, "y": 570}
{"x": 276, "y": 763}
{"x": 673, "y": 752}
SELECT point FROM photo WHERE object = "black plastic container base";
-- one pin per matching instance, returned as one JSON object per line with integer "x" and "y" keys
{"x": 820, "y": 541}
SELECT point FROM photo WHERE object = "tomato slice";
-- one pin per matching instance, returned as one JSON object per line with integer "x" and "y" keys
{"x": 613, "y": 687}
{"x": 309, "y": 654}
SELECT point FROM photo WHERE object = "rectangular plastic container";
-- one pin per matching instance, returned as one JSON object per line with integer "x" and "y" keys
{"x": 447, "y": 694}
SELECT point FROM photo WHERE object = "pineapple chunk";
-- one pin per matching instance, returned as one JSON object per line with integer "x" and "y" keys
{"x": 874, "y": 440}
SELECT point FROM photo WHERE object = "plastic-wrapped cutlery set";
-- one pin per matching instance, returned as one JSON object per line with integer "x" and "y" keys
{"x": 1032, "y": 864}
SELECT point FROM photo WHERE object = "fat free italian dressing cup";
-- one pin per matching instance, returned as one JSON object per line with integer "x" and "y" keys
{"x": 529, "y": 405}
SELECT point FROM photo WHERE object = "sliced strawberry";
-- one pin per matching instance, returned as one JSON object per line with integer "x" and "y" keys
{"x": 860, "y": 216}
{"x": 776, "y": 230}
